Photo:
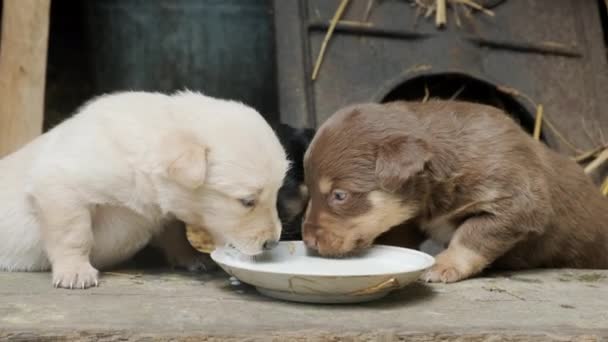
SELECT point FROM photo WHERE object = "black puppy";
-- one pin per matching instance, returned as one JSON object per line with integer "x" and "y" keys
{"x": 293, "y": 195}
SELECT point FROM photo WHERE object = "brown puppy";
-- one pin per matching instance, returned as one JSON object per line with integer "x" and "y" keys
{"x": 463, "y": 174}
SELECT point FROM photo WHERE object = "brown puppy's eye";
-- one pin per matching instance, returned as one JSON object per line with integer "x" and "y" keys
{"x": 247, "y": 202}
{"x": 338, "y": 196}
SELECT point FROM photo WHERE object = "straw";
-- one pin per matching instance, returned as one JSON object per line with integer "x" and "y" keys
{"x": 368, "y": 10}
{"x": 583, "y": 157}
{"x": 539, "y": 122}
{"x": 604, "y": 186}
{"x": 330, "y": 31}
{"x": 439, "y": 7}
{"x": 597, "y": 162}
{"x": 515, "y": 92}
{"x": 475, "y": 6}
{"x": 441, "y": 13}
{"x": 427, "y": 94}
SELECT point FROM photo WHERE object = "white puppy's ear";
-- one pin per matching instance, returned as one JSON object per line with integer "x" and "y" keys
{"x": 184, "y": 160}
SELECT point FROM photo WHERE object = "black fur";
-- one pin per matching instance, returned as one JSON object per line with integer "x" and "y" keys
{"x": 295, "y": 141}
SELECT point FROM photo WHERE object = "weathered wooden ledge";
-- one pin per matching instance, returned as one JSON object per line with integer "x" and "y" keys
{"x": 543, "y": 305}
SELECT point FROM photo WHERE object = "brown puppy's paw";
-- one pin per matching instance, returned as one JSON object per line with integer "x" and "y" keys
{"x": 454, "y": 264}
{"x": 75, "y": 276}
{"x": 441, "y": 273}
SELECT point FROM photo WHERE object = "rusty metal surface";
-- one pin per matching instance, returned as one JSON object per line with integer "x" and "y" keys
{"x": 550, "y": 50}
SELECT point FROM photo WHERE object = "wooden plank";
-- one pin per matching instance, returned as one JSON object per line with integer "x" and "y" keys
{"x": 160, "y": 305}
{"x": 23, "y": 51}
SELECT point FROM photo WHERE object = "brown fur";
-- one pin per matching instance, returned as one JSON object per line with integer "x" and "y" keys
{"x": 464, "y": 174}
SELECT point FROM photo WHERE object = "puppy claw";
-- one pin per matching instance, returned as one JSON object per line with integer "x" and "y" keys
{"x": 74, "y": 276}
{"x": 442, "y": 274}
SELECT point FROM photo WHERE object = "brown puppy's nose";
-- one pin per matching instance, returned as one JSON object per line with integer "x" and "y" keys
{"x": 309, "y": 235}
{"x": 311, "y": 242}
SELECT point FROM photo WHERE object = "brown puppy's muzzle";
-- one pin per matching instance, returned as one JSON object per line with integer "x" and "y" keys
{"x": 320, "y": 233}
{"x": 325, "y": 241}
{"x": 309, "y": 235}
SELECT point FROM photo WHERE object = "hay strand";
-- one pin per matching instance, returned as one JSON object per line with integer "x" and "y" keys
{"x": 457, "y": 15}
{"x": 468, "y": 12}
{"x": 597, "y": 162}
{"x": 368, "y": 10}
{"x": 476, "y": 6}
{"x": 441, "y": 17}
{"x": 604, "y": 187}
{"x": 123, "y": 274}
{"x": 585, "y": 156}
{"x": 353, "y": 23}
{"x": 538, "y": 124}
{"x": 418, "y": 68}
{"x": 427, "y": 94}
{"x": 330, "y": 31}
{"x": 458, "y": 92}
{"x": 561, "y": 136}
{"x": 517, "y": 93}
{"x": 429, "y": 11}
{"x": 440, "y": 8}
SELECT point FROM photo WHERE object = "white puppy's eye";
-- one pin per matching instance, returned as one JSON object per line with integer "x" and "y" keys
{"x": 338, "y": 196}
{"x": 247, "y": 202}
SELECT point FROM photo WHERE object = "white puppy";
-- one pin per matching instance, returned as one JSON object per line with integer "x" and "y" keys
{"x": 97, "y": 188}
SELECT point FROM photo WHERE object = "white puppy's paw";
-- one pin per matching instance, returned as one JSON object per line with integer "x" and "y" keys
{"x": 202, "y": 263}
{"x": 75, "y": 276}
{"x": 198, "y": 262}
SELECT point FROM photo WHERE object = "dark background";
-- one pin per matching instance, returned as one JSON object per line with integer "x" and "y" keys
{"x": 224, "y": 48}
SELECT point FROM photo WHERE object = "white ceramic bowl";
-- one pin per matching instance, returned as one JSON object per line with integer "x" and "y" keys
{"x": 291, "y": 272}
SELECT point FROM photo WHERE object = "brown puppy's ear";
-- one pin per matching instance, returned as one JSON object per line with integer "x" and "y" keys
{"x": 399, "y": 159}
{"x": 184, "y": 160}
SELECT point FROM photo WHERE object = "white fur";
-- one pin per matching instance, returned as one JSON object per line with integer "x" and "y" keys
{"x": 99, "y": 186}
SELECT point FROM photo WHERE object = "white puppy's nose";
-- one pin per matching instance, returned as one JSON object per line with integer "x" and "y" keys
{"x": 270, "y": 244}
